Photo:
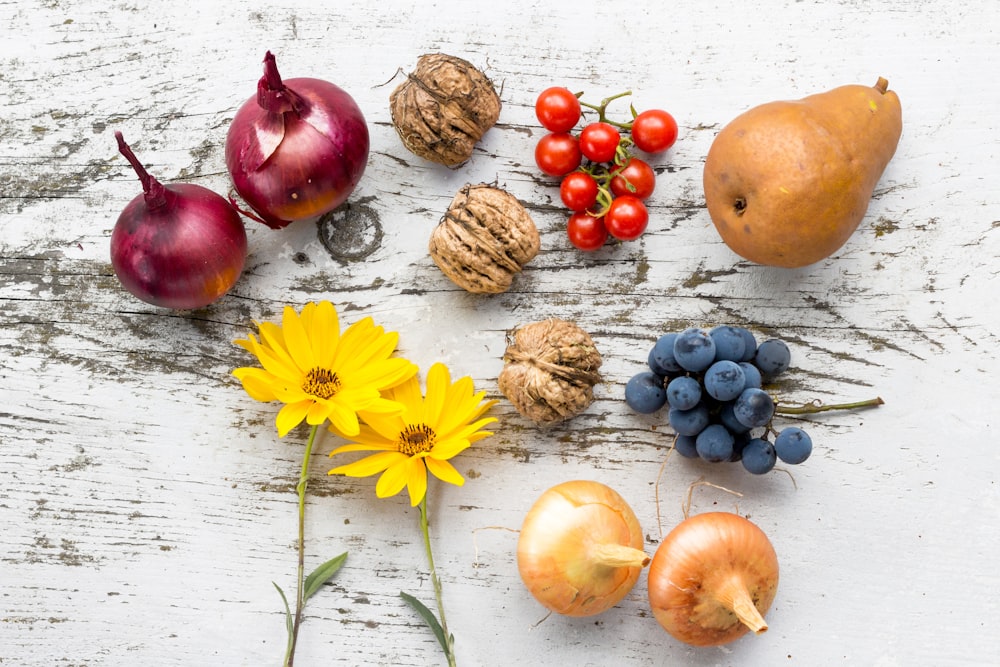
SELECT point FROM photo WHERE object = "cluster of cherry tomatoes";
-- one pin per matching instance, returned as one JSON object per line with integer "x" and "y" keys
{"x": 602, "y": 182}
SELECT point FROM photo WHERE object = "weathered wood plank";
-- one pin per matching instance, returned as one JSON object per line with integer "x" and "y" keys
{"x": 148, "y": 504}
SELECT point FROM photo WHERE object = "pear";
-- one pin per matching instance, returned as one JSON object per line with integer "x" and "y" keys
{"x": 787, "y": 182}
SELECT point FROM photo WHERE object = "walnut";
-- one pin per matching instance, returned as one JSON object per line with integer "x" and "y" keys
{"x": 484, "y": 239}
{"x": 550, "y": 369}
{"x": 444, "y": 108}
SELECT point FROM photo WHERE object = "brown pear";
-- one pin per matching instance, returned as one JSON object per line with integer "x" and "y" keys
{"x": 787, "y": 182}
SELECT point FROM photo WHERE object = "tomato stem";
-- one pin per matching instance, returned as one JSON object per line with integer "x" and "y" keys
{"x": 602, "y": 109}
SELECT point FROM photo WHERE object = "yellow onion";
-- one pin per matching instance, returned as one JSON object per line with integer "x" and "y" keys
{"x": 712, "y": 579}
{"x": 580, "y": 548}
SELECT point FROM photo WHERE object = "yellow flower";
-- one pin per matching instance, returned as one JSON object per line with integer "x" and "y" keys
{"x": 320, "y": 373}
{"x": 423, "y": 437}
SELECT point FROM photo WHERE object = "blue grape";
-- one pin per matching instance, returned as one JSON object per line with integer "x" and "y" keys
{"x": 729, "y": 343}
{"x": 773, "y": 357}
{"x": 724, "y": 380}
{"x": 753, "y": 408}
{"x": 683, "y": 392}
{"x": 752, "y": 375}
{"x": 686, "y": 447}
{"x": 728, "y": 419}
{"x": 740, "y": 441}
{"x": 661, "y": 356}
{"x": 644, "y": 392}
{"x": 759, "y": 456}
{"x": 749, "y": 344}
{"x": 715, "y": 443}
{"x": 694, "y": 350}
{"x": 793, "y": 445}
{"x": 689, "y": 422}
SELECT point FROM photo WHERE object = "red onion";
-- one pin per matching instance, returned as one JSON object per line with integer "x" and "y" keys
{"x": 177, "y": 246}
{"x": 297, "y": 150}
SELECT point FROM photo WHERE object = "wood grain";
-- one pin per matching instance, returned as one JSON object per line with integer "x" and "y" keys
{"x": 147, "y": 503}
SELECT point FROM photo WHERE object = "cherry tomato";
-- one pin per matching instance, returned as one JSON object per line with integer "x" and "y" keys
{"x": 626, "y": 218}
{"x": 558, "y": 153}
{"x": 578, "y": 191}
{"x": 599, "y": 142}
{"x": 586, "y": 232}
{"x": 639, "y": 175}
{"x": 654, "y": 131}
{"x": 557, "y": 109}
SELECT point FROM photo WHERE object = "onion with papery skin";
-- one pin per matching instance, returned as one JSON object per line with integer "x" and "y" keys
{"x": 177, "y": 246}
{"x": 297, "y": 150}
{"x": 580, "y": 548}
{"x": 712, "y": 579}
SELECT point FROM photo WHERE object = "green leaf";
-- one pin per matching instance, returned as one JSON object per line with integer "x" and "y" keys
{"x": 321, "y": 575}
{"x": 288, "y": 621}
{"x": 428, "y": 617}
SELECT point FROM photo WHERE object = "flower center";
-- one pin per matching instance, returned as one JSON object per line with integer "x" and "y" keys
{"x": 321, "y": 383}
{"x": 416, "y": 439}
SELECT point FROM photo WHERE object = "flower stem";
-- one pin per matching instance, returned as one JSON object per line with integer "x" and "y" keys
{"x": 815, "y": 406}
{"x": 449, "y": 639}
{"x": 300, "y": 488}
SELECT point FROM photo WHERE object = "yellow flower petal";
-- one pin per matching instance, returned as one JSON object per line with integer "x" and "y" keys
{"x": 319, "y": 411}
{"x": 273, "y": 340}
{"x": 296, "y": 340}
{"x": 290, "y": 416}
{"x": 324, "y": 334}
{"x": 444, "y": 471}
{"x": 354, "y": 340}
{"x": 358, "y": 398}
{"x": 287, "y": 392}
{"x": 343, "y": 419}
{"x": 363, "y": 343}
{"x": 382, "y": 431}
{"x": 438, "y": 381}
{"x": 388, "y": 447}
{"x": 256, "y": 383}
{"x": 470, "y": 430}
{"x": 370, "y": 465}
{"x": 275, "y": 364}
{"x": 461, "y": 405}
{"x": 395, "y": 477}
{"x": 408, "y": 393}
{"x": 417, "y": 480}
{"x": 383, "y": 374}
{"x": 446, "y": 449}
{"x": 383, "y": 407}
{"x": 479, "y": 435}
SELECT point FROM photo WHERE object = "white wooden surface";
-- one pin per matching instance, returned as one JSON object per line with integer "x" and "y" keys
{"x": 146, "y": 503}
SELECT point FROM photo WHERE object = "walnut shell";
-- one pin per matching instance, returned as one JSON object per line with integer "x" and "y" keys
{"x": 444, "y": 108}
{"x": 550, "y": 369}
{"x": 484, "y": 239}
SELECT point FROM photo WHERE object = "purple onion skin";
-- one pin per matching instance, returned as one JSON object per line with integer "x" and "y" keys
{"x": 184, "y": 251}
{"x": 296, "y": 150}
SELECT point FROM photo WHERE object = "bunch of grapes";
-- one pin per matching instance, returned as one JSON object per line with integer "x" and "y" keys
{"x": 711, "y": 381}
{"x": 602, "y": 182}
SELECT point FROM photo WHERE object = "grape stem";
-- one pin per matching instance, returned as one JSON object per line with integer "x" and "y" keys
{"x": 817, "y": 406}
